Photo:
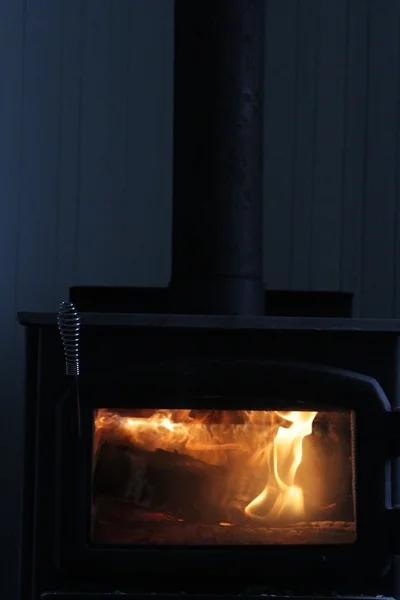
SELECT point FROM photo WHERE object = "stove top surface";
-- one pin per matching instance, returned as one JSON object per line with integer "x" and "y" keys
{"x": 174, "y": 321}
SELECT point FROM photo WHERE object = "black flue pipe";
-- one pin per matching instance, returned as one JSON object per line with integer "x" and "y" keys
{"x": 218, "y": 146}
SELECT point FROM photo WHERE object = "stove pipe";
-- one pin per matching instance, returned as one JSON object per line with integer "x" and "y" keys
{"x": 218, "y": 143}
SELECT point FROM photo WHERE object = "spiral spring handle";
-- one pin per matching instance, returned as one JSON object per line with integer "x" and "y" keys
{"x": 69, "y": 324}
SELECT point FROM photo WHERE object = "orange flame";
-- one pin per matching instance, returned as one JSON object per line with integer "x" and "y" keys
{"x": 270, "y": 441}
{"x": 281, "y": 498}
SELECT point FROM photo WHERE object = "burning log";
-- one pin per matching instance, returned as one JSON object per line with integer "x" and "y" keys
{"x": 168, "y": 482}
{"x": 210, "y": 472}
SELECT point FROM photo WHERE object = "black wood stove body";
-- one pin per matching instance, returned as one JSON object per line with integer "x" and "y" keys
{"x": 206, "y": 448}
{"x": 87, "y": 537}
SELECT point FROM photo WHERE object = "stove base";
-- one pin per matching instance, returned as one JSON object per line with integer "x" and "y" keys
{"x": 118, "y": 595}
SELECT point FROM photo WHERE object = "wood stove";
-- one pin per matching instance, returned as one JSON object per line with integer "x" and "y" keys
{"x": 214, "y": 453}
{"x": 205, "y": 448}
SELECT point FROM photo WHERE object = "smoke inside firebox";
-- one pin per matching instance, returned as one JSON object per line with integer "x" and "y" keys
{"x": 223, "y": 477}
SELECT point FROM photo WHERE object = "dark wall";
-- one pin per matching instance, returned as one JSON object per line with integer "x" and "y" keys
{"x": 85, "y": 163}
{"x": 332, "y": 139}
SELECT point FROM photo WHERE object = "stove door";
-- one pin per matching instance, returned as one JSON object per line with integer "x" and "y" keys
{"x": 261, "y": 468}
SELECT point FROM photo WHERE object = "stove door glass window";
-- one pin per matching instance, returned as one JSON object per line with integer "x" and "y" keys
{"x": 169, "y": 477}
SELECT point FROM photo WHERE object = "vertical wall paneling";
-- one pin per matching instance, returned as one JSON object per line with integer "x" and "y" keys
{"x": 396, "y": 273}
{"x": 381, "y": 167}
{"x": 34, "y": 259}
{"x": 354, "y": 152}
{"x": 11, "y": 107}
{"x": 307, "y": 59}
{"x": 120, "y": 207}
{"x": 125, "y": 200}
{"x": 119, "y": 211}
{"x": 164, "y": 209}
{"x": 280, "y": 109}
{"x": 95, "y": 210}
{"x": 38, "y": 230}
{"x": 327, "y": 201}
{"x": 69, "y": 145}
{"x": 147, "y": 223}
{"x": 40, "y": 145}
{"x": 11, "y": 100}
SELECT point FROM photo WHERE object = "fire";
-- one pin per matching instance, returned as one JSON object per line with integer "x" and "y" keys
{"x": 281, "y": 498}
{"x": 263, "y": 446}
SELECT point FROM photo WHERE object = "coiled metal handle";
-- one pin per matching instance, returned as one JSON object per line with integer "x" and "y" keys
{"x": 69, "y": 325}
